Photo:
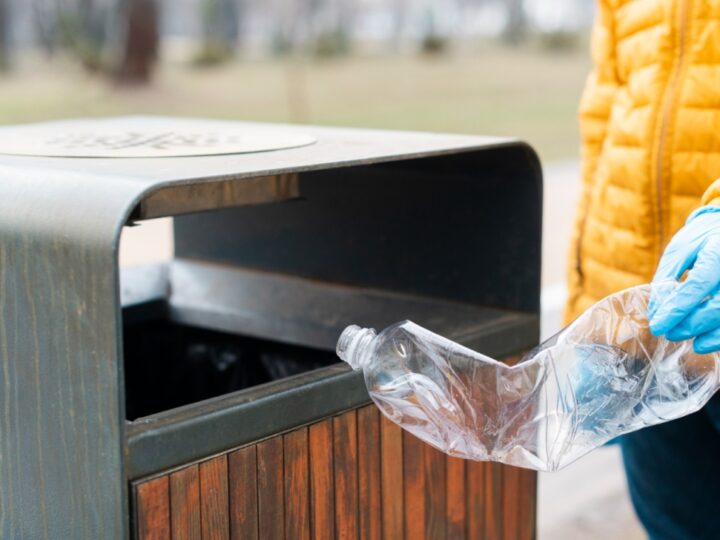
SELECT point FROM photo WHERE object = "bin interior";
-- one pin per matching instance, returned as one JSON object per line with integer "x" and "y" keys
{"x": 258, "y": 293}
{"x": 168, "y": 365}
{"x": 195, "y": 331}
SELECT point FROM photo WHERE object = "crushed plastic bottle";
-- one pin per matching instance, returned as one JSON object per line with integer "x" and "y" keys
{"x": 602, "y": 376}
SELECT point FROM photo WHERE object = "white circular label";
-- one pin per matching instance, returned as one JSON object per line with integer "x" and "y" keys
{"x": 145, "y": 138}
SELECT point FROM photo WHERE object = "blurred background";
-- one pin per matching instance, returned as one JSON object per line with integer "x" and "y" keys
{"x": 500, "y": 66}
{"x": 497, "y": 67}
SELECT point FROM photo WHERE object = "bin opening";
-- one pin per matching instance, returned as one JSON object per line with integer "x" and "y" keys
{"x": 168, "y": 365}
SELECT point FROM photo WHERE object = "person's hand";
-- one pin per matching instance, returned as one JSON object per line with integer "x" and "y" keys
{"x": 691, "y": 310}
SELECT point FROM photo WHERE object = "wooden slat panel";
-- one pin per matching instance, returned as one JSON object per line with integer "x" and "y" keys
{"x": 242, "y": 470}
{"x": 153, "y": 509}
{"x": 391, "y": 471}
{"x": 185, "y": 504}
{"x": 519, "y": 494}
{"x": 322, "y": 483}
{"x": 215, "y": 522}
{"x": 455, "y": 502}
{"x": 528, "y": 501}
{"x": 353, "y": 476}
{"x": 346, "y": 487}
{"x": 494, "y": 487}
{"x": 475, "y": 497}
{"x": 510, "y": 502}
{"x": 414, "y": 485}
{"x": 435, "y": 492}
{"x": 297, "y": 485}
{"x": 369, "y": 503}
{"x": 271, "y": 507}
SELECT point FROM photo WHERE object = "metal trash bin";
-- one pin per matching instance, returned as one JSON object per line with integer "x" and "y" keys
{"x": 202, "y": 398}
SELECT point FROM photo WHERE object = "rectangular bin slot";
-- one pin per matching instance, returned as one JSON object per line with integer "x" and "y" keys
{"x": 195, "y": 331}
{"x": 168, "y": 365}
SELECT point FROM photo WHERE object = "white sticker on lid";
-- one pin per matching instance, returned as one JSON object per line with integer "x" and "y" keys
{"x": 145, "y": 138}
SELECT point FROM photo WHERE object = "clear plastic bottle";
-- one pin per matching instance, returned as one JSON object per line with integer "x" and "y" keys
{"x": 604, "y": 375}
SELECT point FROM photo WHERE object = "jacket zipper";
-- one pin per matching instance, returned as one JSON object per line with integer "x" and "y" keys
{"x": 669, "y": 100}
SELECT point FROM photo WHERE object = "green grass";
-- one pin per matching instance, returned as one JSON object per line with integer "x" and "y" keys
{"x": 519, "y": 92}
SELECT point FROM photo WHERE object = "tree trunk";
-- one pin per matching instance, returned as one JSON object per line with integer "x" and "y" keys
{"x": 516, "y": 25}
{"x": 399, "y": 18}
{"x": 220, "y": 20}
{"x": 139, "y": 48}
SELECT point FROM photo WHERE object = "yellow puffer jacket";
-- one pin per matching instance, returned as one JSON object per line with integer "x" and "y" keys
{"x": 650, "y": 126}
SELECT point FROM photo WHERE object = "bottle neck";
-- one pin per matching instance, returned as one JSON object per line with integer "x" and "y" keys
{"x": 354, "y": 345}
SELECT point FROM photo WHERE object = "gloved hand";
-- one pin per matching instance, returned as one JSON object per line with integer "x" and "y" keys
{"x": 691, "y": 310}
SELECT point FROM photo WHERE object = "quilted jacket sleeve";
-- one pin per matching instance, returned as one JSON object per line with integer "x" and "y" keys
{"x": 594, "y": 113}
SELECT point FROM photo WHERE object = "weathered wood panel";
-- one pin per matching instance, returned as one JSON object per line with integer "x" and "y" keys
{"x": 494, "y": 488}
{"x": 243, "y": 493}
{"x": 185, "y": 504}
{"x": 297, "y": 485}
{"x": 369, "y": 491}
{"x": 391, "y": 467}
{"x": 527, "y": 513}
{"x": 271, "y": 489}
{"x": 346, "y": 481}
{"x": 414, "y": 486}
{"x": 153, "y": 509}
{"x": 434, "y": 464}
{"x": 455, "y": 507}
{"x": 322, "y": 481}
{"x": 475, "y": 499}
{"x": 354, "y": 476}
{"x": 214, "y": 515}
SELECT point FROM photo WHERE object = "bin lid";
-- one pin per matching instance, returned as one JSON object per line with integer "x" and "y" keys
{"x": 303, "y": 148}
{"x": 138, "y": 137}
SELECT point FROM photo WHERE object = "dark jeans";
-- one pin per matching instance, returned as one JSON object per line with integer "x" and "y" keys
{"x": 673, "y": 472}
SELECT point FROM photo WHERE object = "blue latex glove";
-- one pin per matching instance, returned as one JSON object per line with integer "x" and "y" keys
{"x": 691, "y": 310}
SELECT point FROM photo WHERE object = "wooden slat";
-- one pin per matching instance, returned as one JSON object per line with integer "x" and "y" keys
{"x": 391, "y": 479}
{"x": 510, "y": 502}
{"x": 353, "y": 476}
{"x": 475, "y": 497}
{"x": 369, "y": 502}
{"x": 518, "y": 496}
{"x": 346, "y": 487}
{"x": 434, "y": 463}
{"x": 494, "y": 488}
{"x": 455, "y": 506}
{"x": 271, "y": 499}
{"x": 242, "y": 471}
{"x": 528, "y": 504}
{"x": 185, "y": 504}
{"x": 153, "y": 509}
{"x": 215, "y": 522}
{"x": 415, "y": 486}
{"x": 297, "y": 485}
{"x": 322, "y": 483}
